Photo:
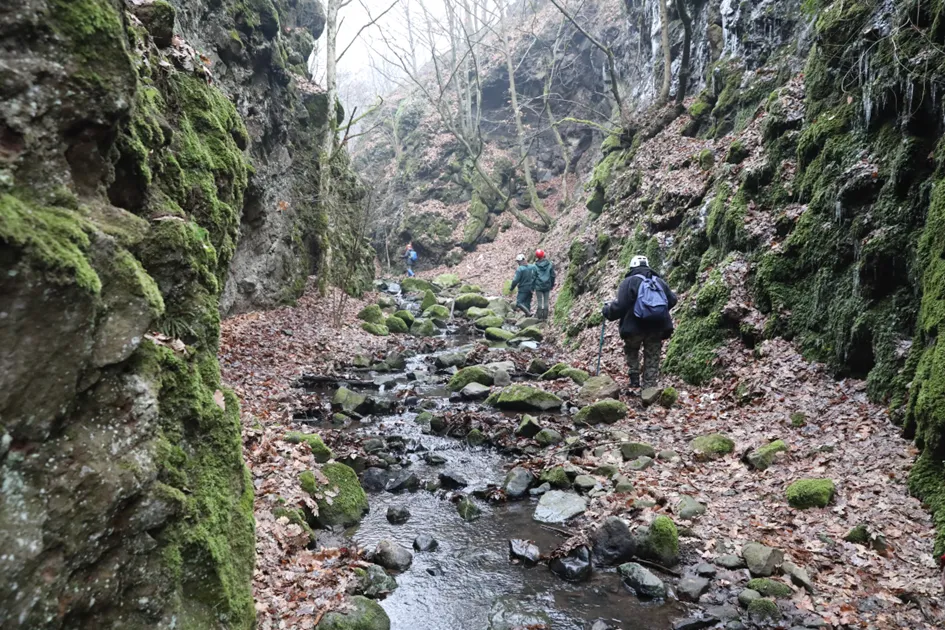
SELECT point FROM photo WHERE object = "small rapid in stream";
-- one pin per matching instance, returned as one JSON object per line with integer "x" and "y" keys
{"x": 469, "y": 582}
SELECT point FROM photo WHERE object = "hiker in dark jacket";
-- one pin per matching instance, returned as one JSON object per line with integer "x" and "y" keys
{"x": 544, "y": 283}
{"x": 648, "y": 331}
{"x": 525, "y": 281}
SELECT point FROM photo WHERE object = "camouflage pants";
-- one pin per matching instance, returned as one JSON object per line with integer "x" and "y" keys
{"x": 652, "y": 349}
{"x": 524, "y": 302}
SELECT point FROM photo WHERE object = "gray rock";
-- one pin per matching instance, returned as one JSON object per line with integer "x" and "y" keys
{"x": 694, "y": 623}
{"x": 450, "y": 359}
{"x": 475, "y": 391}
{"x": 365, "y": 614}
{"x": 574, "y": 567}
{"x": 600, "y": 624}
{"x": 798, "y": 575}
{"x": 452, "y": 481}
{"x": 747, "y": 596}
{"x": 668, "y": 456}
{"x": 633, "y": 450}
{"x": 689, "y": 508}
{"x": 468, "y": 510}
{"x": 512, "y": 612}
{"x": 691, "y": 588}
{"x": 548, "y": 437}
{"x": 640, "y": 463}
{"x": 529, "y": 427}
{"x": 434, "y": 460}
{"x": 622, "y": 484}
{"x": 584, "y": 483}
{"x": 425, "y": 542}
{"x": 641, "y": 580}
{"x": 501, "y": 378}
{"x": 403, "y": 481}
{"x": 705, "y": 569}
{"x": 524, "y": 551}
{"x": 392, "y": 556}
{"x": 725, "y": 612}
{"x": 597, "y": 388}
{"x": 537, "y": 366}
{"x": 557, "y": 507}
{"x": 761, "y": 560}
{"x": 730, "y": 561}
{"x": 612, "y": 543}
{"x": 540, "y": 490}
{"x": 398, "y": 515}
{"x": 650, "y": 395}
{"x": 376, "y": 583}
{"x": 517, "y": 482}
{"x": 374, "y": 479}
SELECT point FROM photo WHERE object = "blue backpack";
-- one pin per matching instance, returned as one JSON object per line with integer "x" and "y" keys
{"x": 651, "y": 304}
{"x": 413, "y": 255}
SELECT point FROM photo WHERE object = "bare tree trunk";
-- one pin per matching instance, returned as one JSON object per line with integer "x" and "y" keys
{"x": 686, "y": 52}
{"x": 667, "y": 53}
{"x": 546, "y": 96}
{"x": 331, "y": 72}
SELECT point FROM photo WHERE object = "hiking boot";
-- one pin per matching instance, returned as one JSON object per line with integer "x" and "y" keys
{"x": 634, "y": 380}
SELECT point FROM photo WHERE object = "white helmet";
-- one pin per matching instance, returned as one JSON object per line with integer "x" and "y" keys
{"x": 639, "y": 261}
{"x": 520, "y": 258}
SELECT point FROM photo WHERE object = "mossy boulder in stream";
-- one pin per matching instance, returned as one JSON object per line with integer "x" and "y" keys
{"x": 406, "y": 316}
{"x": 417, "y": 285}
{"x": 437, "y": 311}
{"x": 489, "y": 321}
{"x": 396, "y": 325}
{"x": 378, "y": 330}
{"x": 524, "y": 398}
{"x": 659, "y": 542}
{"x": 337, "y": 492}
{"x": 363, "y": 614}
{"x": 372, "y": 314}
{"x": 607, "y": 411}
{"x": 429, "y": 299}
{"x": 471, "y": 374}
{"x": 423, "y": 328}
{"x": 468, "y": 300}
{"x": 498, "y": 334}
{"x": 563, "y": 370}
{"x": 475, "y": 313}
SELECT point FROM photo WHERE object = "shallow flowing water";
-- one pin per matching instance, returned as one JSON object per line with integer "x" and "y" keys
{"x": 469, "y": 582}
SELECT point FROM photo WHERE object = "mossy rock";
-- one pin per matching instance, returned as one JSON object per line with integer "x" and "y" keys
{"x": 406, "y": 316}
{"x": 555, "y": 476}
{"x": 770, "y": 588}
{"x": 548, "y": 437}
{"x": 471, "y": 374}
{"x": 429, "y": 299}
{"x": 528, "y": 427}
{"x": 321, "y": 452}
{"x": 525, "y": 398}
{"x": 706, "y": 159}
{"x": 417, "y": 285}
{"x": 563, "y": 370}
{"x": 348, "y": 401}
{"x": 490, "y": 321}
{"x": 660, "y": 542}
{"x": 737, "y": 153}
{"x": 668, "y": 397}
{"x": 470, "y": 288}
{"x": 762, "y": 457}
{"x": 498, "y": 334}
{"x": 365, "y": 614}
{"x": 386, "y": 301}
{"x": 379, "y": 330}
{"x": 475, "y": 437}
{"x": 606, "y": 411}
{"x": 468, "y": 300}
{"x": 761, "y": 610}
{"x": 475, "y": 313}
{"x": 859, "y": 535}
{"x": 437, "y": 311}
{"x": 468, "y": 510}
{"x": 372, "y": 314}
{"x": 348, "y": 505}
{"x": 295, "y": 516}
{"x": 798, "y": 420}
{"x": 712, "y": 446}
{"x": 446, "y": 280}
{"x": 532, "y": 332}
{"x": 396, "y": 325}
{"x": 423, "y": 328}
{"x": 632, "y": 450}
{"x": 808, "y": 493}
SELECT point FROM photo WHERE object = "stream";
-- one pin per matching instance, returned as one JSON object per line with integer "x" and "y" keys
{"x": 469, "y": 581}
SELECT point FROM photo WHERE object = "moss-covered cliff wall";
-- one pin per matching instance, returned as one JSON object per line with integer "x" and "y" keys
{"x": 798, "y": 196}
{"x": 133, "y": 159}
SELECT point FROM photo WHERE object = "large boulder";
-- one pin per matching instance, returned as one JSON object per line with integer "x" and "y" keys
{"x": 471, "y": 374}
{"x": 407, "y": 316}
{"x": 659, "y": 542}
{"x": 608, "y": 411}
{"x": 525, "y": 398}
{"x": 450, "y": 359}
{"x": 574, "y": 567}
{"x": 372, "y": 314}
{"x": 474, "y": 312}
{"x": 446, "y": 280}
{"x": 396, "y": 325}
{"x": 529, "y": 427}
{"x": 392, "y": 556}
{"x": 762, "y": 457}
{"x": 417, "y": 285}
{"x": 468, "y": 300}
{"x": 378, "y": 330}
{"x": 349, "y": 503}
{"x": 809, "y": 493}
{"x": 517, "y": 482}
{"x": 558, "y": 507}
{"x": 499, "y": 334}
{"x": 762, "y": 561}
{"x": 642, "y": 581}
{"x": 632, "y": 450}
{"x": 597, "y": 388}
{"x": 489, "y": 321}
{"x": 375, "y": 582}
{"x": 612, "y": 543}
{"x": 437, "y": 311}
{"x": 423, "y": 328}
{"x": 364, "y": 614}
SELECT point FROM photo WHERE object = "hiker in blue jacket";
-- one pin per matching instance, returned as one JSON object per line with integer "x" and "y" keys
{"x": 525, "y": 281}
{"x": 544, "y": 283}
{"x": 410, "y": 257}
{"x": 642, "y": 306}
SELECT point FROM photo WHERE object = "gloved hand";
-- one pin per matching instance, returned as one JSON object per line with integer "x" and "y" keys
{"x": 604, "y": 310}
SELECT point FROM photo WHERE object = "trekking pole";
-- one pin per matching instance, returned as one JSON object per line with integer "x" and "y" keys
{"x": 600, "y": 350}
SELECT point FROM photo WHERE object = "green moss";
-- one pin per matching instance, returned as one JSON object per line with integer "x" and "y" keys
{"x": 770, "y": 588}
{"x": 371, "y": 314}
{"x": 468, "y": 300}
{"x": 763, "y": 610}
{"x": 668, "y": 397}
{"x": 699, "y": 108}
{"x": 808, "y": 493}
{"x": 706, "y": 159}
{"x": 125, "y": 270}
{"x": 927, "y": 482}
{"x": 365, "y": 615}
{"x": 437, "y": 311}
{"x": 601, "y": 180}
{"x": 607, "y": 411}
{"x": 498, "y": 334}
{"x": 475, "y": 437}
{"x": 700, "y": 331}
{"x": 429, "y": 299}
{"x": 379, "y": 330}
{"x": 472, "y": 374}
{"x": 712, "y": 446}
{"x": 736, "y": 153}
{"x": 525, "y": 398}
{"x": 661, "y": 542}
{"x": 859, "y": 535}
{"x": 348, "y": 503}
{"x": 55, "y": 240}
{"x": 489, "y": 321}
{"x": 563, "y": 370}
{"x": 396, "y": 325}
{"x": 762, "y": 457}
{"x": 314, "y": 441}
{"x": 406, "y": 316}
{"x": 798, "y": 420}
{"x": 555, "y": 476}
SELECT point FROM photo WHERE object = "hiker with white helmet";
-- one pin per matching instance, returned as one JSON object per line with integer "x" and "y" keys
{"x": 642, "y": 306}
{"x": 525, "y": 281}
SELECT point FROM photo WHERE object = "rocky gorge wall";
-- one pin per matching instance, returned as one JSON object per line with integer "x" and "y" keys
{"x": 796, "y": 196}
{"x": 156, "y": 165}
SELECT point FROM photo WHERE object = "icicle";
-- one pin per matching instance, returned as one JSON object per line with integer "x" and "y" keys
{"x": 838, "y": 212}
